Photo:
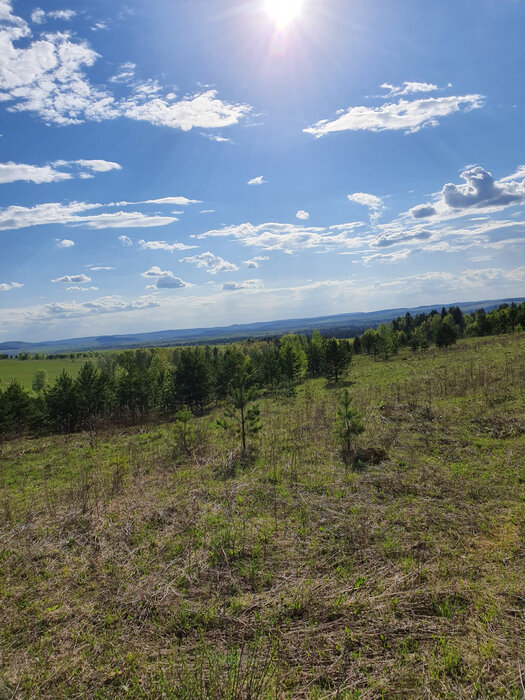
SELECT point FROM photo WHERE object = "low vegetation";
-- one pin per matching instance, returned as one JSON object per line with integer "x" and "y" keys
{"x": 154, "y": 558}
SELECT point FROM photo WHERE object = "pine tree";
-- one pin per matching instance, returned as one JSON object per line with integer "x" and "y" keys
{"x": 349, "y": 423}
{"x": 245, "y": 418}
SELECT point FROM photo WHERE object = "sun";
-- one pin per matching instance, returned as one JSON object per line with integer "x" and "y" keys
{"x": 283, "y": 12}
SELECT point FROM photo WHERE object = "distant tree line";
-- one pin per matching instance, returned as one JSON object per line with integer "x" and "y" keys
{"x": 438, "y": 328}
{"x": 134, "y": 385}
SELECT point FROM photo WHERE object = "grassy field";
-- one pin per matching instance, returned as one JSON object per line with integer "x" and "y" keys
{"x": 132, "y": 568}
{"x": 23, "y": 371}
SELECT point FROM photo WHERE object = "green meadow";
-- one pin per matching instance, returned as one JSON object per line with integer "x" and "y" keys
{"x": 138, "y": 564}
{"x": 23, "y": 371}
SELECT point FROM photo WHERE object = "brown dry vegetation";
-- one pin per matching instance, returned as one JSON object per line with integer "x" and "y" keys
{"x": 132, "y": 569}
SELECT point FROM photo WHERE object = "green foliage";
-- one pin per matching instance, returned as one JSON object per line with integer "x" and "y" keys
{"x": 336, "y": 358}
{"x": 349, "y": 423}
{"x": 184, "y": 430}
{"x": 241, "y": 393}
{"x": 40, "y": 381}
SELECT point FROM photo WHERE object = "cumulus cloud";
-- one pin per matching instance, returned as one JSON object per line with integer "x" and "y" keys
{"x": 7, "y": 286}
{"x": 405, "y": 115}
{"x": 202, "y": 110}
{"x": 126, "y": 241}
{"x": 246, "y": 284}
{"x": 73, "y": 279}
{"x": 257, "y": 180}
{"x": 164, "y": 245}
{"x": 302, "y": 214}
{"x": 48, "y": 78}
{"x": 480, "y": 191}
{"x": 373, "y": 203}
{"x": 408, "y": 88}
{"x": 165, "y": 279}
{"x": 64, "y": 243}
{"x": 210, "y": 262}
{"x": 254, "y": 262}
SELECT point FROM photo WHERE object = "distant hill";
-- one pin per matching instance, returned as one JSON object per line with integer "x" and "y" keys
{"x": 341, "y": 325}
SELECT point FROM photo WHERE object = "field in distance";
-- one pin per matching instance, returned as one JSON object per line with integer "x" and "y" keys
{"x": 23, "y": 371}
{"x": 140, "y": 563}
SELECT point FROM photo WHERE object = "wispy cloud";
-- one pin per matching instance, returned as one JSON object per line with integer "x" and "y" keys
{"x": 374, "y": 204}
{"x": 257, "y": 181}
{"x": 245, "y": 284}
{"x": 409, "y": 88}
{"x": 8, "y": 286}
{"x": 404, "y": 115}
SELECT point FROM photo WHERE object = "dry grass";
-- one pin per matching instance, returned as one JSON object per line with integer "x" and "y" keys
{"x": 132, "y": 569}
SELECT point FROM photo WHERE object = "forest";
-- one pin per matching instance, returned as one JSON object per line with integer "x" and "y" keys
{"x": 135, "y": 386}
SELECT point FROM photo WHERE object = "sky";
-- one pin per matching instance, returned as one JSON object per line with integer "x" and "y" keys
{"x": 170, "y": 164}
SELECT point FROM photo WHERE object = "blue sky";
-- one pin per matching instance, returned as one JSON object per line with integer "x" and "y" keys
{"x": 175, "y": 164}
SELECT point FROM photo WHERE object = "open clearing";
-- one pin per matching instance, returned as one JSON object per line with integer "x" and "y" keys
{"x": 130, "y": 568}
{"x": 23, "y": 371}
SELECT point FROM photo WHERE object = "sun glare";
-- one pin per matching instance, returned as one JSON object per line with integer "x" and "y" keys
{"x": 283, "y": 12}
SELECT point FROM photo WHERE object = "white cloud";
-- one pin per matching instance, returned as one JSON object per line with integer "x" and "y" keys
{"x": 126, "y": 241}
{"x": 210, "y": 262}
{"x": 64, "y": 243}
{"x": 207, "y": 211}
{"x": 165, "y": 279}
{"x": 7, "y": 286}
{"x": 176, "y": 201}
{"x": 11, "y": 172}
{"x": 373, "y": 203}
{"x": 246, "y": 284}
{"x": 38, "y": 16}
{"x": 386, "y": 257}
{"x": 290, "y": 238}
{"x": 163, "y": 245}
{"x": 16, "y": 217}
{"x": 480, "y": 192}
{"x": 302, "y": 214}
{"x": 201, "y": 110}
{"x": 408, "y": 88}
{"x": 254, "y": 262}
{"x": 127, "y": 73}
{"x": 98, "y": 166}
{"x": 121, "y": 219}
{"x": 100, "y": 268}
{"x": 82, "y": 289}
{"x": 73, "y": 279}
{"x": 48, "y": 77}
{"x": 405, "y": 115}
{"x": 257, "y": 180}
